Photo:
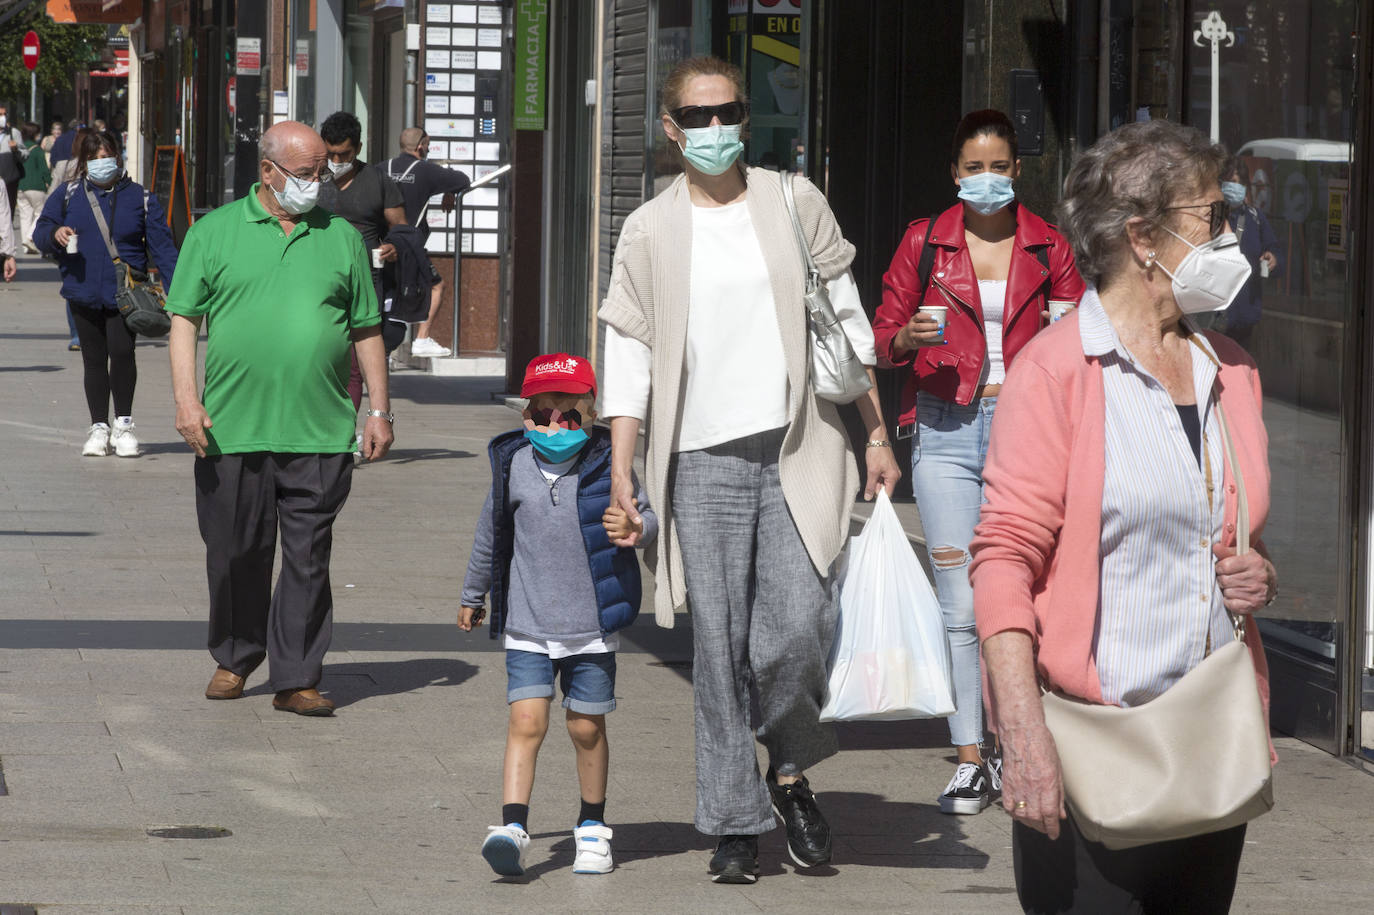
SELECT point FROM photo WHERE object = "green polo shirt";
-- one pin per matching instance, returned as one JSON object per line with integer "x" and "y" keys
{"x": 278, "y": 314}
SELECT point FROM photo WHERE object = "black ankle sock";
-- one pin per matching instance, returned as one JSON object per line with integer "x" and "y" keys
{"x": 516, "y": 813}
{"x": 591, "y": 811}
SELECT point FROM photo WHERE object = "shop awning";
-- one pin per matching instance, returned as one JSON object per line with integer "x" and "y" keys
{"x": 120, "y": 68}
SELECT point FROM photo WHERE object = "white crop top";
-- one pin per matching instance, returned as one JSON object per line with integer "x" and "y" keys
{"x": 993, "y": 294}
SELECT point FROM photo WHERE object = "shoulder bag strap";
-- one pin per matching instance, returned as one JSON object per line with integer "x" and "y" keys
{"x": 1242, "y": 504}
{"x": 100, "y": 222}
{"x": 927, "y": 262}
{"x": 813, "y": 276}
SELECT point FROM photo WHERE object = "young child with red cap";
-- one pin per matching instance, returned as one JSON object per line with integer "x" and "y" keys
{"x": 560, "y": 590}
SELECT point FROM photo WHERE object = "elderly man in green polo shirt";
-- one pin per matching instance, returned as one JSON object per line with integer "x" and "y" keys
{"x": 286, "y": 288}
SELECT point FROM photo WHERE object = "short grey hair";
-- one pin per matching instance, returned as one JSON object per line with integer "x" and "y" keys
{"x": 1136, "y": 171}
{"x": 270, "y": 146}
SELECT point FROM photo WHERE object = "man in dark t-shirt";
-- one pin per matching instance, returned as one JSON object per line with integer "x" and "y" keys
{"x": 371, "y": 203}
{"x": 419, "y": 181}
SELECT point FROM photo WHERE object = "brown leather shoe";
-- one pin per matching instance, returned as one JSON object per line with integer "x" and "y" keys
{"x": 224, "y": 684}
{"x": 303, "y": 702}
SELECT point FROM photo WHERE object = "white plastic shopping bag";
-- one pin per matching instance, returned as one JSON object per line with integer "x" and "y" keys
{"x": 890, "y": 659}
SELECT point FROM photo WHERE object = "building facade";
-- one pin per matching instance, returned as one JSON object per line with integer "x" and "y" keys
{"x": 864, "y": 97}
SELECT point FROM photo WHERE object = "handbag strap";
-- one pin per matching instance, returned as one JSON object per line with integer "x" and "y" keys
{"x": 813, "y": 275}
{"x": 1242, "y": 506}
{"x": 100, "y": 222}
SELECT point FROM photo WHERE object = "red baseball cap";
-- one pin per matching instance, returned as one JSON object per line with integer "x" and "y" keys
{"x": 558, "y": 372}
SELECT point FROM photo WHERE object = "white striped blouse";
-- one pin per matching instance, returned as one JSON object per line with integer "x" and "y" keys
{"x": 1159, "y": 604}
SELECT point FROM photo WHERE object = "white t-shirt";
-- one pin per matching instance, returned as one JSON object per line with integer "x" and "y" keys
{"x": 993, "y": 294}
{"x": 736, "y": 373}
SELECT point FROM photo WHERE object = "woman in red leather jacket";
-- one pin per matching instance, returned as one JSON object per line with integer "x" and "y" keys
{"x": 994, "y": 267}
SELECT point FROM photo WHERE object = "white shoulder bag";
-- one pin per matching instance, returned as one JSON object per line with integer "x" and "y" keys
{"x": 837, "y": 374}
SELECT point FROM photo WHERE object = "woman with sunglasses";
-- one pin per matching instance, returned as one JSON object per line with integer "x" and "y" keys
{"x": 752, "y": 475}
{"x": 992, "y": 266}
{"x": 1105, "y": 565}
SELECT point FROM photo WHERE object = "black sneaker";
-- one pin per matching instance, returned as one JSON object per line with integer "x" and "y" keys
{"x": 736, "y": 860}
{"x": 808, "y": 834}
{"x": 969, "y": 791}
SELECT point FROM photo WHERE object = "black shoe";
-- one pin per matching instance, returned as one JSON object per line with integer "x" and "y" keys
{"x": 808, "y": 834}
{"x": 736, "y": 860}
{"x": 969, "y": 791}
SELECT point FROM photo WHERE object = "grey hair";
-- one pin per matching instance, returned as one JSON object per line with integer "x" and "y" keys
{"x": 1136, "y": 171}
{"x": 270, "y": 146}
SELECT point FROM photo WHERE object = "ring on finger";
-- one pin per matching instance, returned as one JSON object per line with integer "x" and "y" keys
{"x": 1020, "y": 805}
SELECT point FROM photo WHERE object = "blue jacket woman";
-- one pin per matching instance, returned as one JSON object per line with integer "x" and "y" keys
{"x": 1260, "y": 246}
{"x": 137, "y": 225}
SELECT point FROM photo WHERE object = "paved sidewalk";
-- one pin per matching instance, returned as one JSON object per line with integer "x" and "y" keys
{"x": 104, "y": 734}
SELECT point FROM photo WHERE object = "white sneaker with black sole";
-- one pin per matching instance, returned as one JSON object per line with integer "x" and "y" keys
{"x": 968, "y": 791}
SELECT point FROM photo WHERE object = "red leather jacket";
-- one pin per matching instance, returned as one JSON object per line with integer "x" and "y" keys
{"x": 951, "y": 370}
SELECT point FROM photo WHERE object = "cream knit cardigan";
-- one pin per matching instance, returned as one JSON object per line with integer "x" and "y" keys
{"x": 648, "y": 300}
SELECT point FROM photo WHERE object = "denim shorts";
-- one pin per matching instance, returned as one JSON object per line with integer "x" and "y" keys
{"x": 588, "y": 680}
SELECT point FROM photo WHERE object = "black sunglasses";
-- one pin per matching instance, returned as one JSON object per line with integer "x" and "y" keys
{"x": 691, "y": 116}
{"x": 1217, "y": 212}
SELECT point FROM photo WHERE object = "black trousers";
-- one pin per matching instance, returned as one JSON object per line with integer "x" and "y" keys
{"x": 1071, "y": 874}
{"x": 241, "y": 502}
{"x": 107, "y": 356}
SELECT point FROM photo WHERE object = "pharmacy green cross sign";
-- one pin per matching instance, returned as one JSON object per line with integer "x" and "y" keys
{"x": 531, "y": 40}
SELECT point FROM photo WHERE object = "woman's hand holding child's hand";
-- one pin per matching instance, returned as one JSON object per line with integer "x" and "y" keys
{"x": 618, "y": 525}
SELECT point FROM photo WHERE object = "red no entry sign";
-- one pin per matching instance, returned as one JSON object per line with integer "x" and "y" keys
{"x": 31, "y": 49}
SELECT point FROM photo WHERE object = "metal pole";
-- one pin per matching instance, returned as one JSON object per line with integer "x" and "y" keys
{"x": 33, "y": 96}
{"x": 457, "y": 268}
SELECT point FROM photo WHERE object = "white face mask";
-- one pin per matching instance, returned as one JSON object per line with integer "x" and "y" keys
{"x": 1210, "y": 276}
{"x": 340, "y": 168}
{"x": 298, "y": 196}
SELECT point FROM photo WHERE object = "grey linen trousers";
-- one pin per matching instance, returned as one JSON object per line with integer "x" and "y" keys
{"x": 761, "y": 616}
{"x": 241, "y": 501}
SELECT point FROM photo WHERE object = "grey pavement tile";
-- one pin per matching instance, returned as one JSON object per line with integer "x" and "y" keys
{"x": 61, "y": 739}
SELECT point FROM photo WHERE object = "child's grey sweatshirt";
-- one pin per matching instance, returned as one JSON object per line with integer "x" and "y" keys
{"x": 551, "y": 592}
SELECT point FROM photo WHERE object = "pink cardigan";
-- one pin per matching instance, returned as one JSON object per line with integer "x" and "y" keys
{"x": 1035, "y": 551}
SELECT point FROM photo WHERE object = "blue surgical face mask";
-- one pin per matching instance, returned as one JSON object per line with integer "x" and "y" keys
{"x": 103, "y": 171}
{"x": 1234, "y": 192}
{"x": 560, "y": 446}
{"x": 712, "y": 149}
{"x": 986, "y": 192}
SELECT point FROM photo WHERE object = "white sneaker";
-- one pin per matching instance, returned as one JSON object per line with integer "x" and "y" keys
{"x": 98, "y": 442}
{"x": 122, "y": 437}
{"x": 505, "y": 849}
{"x": 593, "y": 849}
{"x": 424, "y": 346}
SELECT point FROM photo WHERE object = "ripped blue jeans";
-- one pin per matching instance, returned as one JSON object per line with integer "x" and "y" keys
{"x": 947, "y": 477}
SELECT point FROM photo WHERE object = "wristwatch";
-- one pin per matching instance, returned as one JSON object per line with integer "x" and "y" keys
{"x": 389, "y": 417}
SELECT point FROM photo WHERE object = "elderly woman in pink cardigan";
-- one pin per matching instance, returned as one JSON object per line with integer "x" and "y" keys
{"x": 1104, "y": 565}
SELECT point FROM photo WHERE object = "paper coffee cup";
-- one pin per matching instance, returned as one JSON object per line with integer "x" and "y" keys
{"x": 376, "y": 258}
{"x": 938, "y": 312}
{"x": 71, "y": 243}
{"x": 1264, "y": 269}
{"x": 1058, "y": 308}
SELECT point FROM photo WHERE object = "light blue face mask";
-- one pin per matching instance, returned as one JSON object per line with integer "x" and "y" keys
{"x": 712, "y": 149}
{"x": 103, "y": 171}
{"x": 559, "y": 446}
{"x": 986, "y": 192}
{"x": 1234, "y": 192}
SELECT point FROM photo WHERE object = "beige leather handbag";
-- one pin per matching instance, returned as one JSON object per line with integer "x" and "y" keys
{"x": 1192, "y": 761}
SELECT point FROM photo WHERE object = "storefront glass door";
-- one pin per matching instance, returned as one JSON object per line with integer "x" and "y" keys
{"x": 1282, "y": 77}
